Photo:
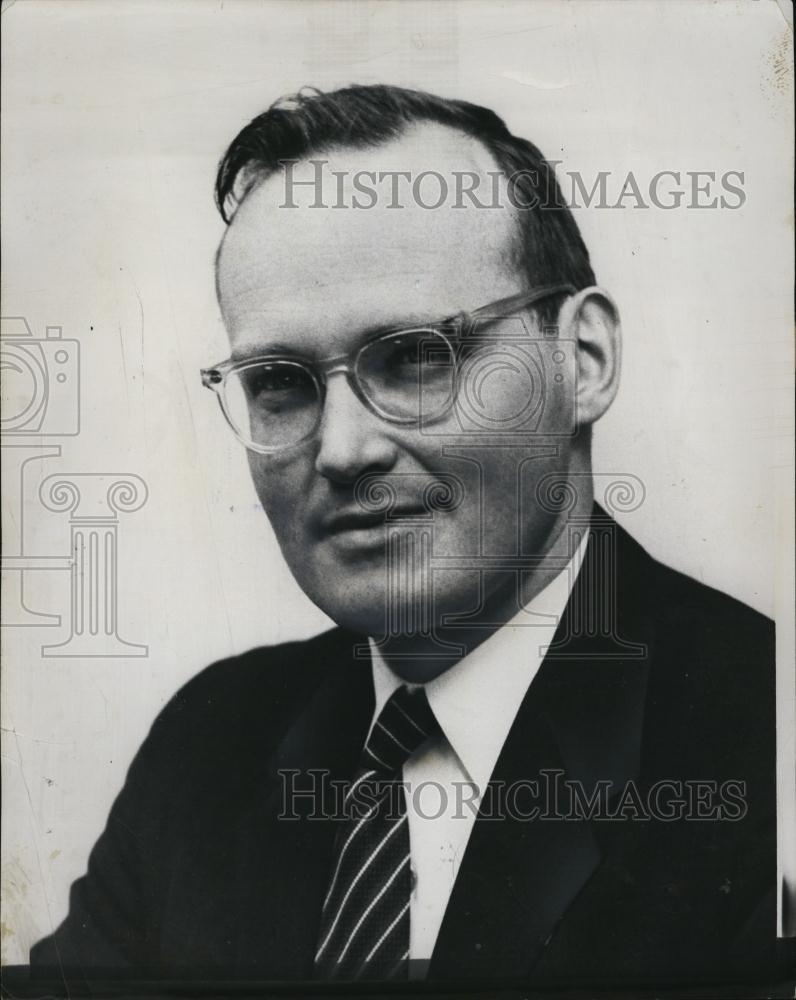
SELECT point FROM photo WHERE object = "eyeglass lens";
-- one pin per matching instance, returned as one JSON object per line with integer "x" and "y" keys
{"x": 407, "y": 376}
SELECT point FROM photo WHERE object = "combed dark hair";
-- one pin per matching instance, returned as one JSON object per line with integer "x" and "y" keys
{"x": 311, "y": 122}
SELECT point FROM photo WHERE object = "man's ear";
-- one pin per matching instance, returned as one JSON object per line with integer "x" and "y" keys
{"x": 591, "y": 318}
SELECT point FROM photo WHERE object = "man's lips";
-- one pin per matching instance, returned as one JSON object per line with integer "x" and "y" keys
{"x": 362, "y": 520}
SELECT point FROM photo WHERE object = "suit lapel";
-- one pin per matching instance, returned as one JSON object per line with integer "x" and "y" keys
{"x": 581, "y": 719}
{"x": 322, "y": 745}
{"x": 517, "y": 877}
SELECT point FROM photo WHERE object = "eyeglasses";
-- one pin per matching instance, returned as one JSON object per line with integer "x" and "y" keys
{"x": 409, "y": 376}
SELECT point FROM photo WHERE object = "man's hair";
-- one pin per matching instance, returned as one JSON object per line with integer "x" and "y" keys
{"x": 310, "y": 122}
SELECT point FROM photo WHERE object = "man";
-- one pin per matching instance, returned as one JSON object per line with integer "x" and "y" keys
{"x": 415, "y": 387}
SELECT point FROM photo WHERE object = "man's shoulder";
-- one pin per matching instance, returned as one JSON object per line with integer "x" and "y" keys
{"x": 247, "y": 699}
{"x": 687, "y": 608}
{"x": 711, "y": 663}
{"x": 277, "y": 672}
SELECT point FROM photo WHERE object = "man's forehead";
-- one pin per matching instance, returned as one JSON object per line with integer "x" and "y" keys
{"x": 286, "y": 229}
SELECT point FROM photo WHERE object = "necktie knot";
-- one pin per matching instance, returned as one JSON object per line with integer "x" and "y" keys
{"x": 405, "y": 722}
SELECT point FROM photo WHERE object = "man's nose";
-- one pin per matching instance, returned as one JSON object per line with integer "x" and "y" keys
{"x": 352, "y": 438}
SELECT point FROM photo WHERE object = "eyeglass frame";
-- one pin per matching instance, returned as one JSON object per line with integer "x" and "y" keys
{"x": 214, "y": 377}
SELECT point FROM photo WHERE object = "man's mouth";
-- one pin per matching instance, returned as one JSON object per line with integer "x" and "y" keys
{"x": 361, "y": 528}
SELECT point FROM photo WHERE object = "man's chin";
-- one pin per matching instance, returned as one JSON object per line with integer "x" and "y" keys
{"x": 364, "y": 595}
{"x": 354, "y": 597}
{"x": 362, "y": 602}
{"x": 362, "y": 616}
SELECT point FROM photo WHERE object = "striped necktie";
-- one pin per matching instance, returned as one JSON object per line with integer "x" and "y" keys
{"x": 365, "y": 921}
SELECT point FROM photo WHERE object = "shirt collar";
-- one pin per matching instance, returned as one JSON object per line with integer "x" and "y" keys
{"x": 476, "y": 700}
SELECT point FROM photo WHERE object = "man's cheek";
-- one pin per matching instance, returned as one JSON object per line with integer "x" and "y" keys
{"x": 287, "y": 518}
{"x": 284, "y": 510}
{"x": 280, "y": 485}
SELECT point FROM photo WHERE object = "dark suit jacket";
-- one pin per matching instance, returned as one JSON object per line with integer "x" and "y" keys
{"x": 195, "y": 876}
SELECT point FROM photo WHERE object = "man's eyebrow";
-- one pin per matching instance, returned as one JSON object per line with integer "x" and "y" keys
{"x": 278, "y": 347}
{"x": 261, "y": 350}
{"x": 407, "y": 324}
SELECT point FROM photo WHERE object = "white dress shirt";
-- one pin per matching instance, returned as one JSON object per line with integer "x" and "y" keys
{"x": 475, "y": 703}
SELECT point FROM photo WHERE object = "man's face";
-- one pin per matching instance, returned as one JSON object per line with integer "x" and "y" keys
{"x": 317, "y": 282}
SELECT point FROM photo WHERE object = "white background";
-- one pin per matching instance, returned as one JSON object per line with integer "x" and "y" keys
{"x": 115, "y": 115}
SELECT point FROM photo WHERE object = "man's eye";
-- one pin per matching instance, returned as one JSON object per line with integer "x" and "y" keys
{"x": 402, "y": 359}
{"x": 278, "y": 386}
{"x": 403, "y": 354}
{"x": 276, "y": 379}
